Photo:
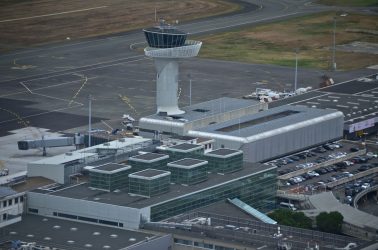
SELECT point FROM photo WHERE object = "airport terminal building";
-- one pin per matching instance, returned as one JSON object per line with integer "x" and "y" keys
{"x": 127, "y": 201}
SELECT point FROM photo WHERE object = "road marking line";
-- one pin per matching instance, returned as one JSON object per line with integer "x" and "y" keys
{"x": 26, "y": 87}
{"x": 50, "y": 86}
{"x": 79, "y": 69}
{"x": 53, "y": 14}
{"x": 42, "y": 113}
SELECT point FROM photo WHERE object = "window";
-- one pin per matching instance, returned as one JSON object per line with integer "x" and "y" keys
{"x": 106, "y": 222}
{"x": 33, "y": 210}
{"x": 16, "y": 200}
{"x": 55, "y": 214}
{"x": 4, "y": 203}
{"x": 120, "y": 224}
{"x": 69, "y": 216}
{"x": 4, "y": 216}
{"x": 87, "y": 219}
{"x": 10, "y": 202}
{"x": 21, "y": 198}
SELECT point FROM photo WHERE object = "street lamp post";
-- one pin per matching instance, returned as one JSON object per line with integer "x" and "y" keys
{"x": 296, "y": 70}
{"x": 190, "y": 89}
{"x": 334, "y": 45}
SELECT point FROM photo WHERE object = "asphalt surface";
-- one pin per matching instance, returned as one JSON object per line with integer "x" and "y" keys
{"x": 40, "y": 84}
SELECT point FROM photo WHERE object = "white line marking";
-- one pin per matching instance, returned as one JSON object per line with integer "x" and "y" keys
{"x": 64, "y": 72}
{"x": 43, "y": 113}
{"x": 50, "y": 86}
{"x": 26, "y": 87}
{"x": 53, "y": 14}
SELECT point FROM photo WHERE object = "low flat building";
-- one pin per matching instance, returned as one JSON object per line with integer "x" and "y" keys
{"x": 11, "y": 206}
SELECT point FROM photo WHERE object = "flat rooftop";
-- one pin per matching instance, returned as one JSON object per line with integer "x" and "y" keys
{"x": 110, "y": 167}
{"x": 357, "y": 99}
{"x": 122, "y": 198}
{"x": 70, "y": 234}
{"x": 268, "y": 121}
{"x": 150, "y": 174}
{"x": 185, "y": 147}
{"x": 213, "y": 107}
{"x": 224, "y": 152}
{"x": 148, "y": 157}
{"x": 6, "y": 191}
{"x": 187, "y": 163}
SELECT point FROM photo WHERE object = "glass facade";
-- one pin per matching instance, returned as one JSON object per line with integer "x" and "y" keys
{"x": 109, "y": 181}
{"x": 188, "y": 176}
{"x": 224, "y": 165}
{"x": 257, "y": 190}
{"x": 164, "y": 37}
{"x": 149, "y": 188}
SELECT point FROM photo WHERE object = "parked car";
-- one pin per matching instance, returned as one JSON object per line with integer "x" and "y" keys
{"x": 365, "y": 185}
{"x": 312, "y": 173}
{"x": 364, "y": 168}
{"x": 354, "y": 149}
{"x": 371, "y": 155}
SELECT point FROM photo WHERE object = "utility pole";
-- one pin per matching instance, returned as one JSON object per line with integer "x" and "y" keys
{"x": 296, "y": 70}
{"x": 89, "y": 119}
{"x": 334, "y": 45}
{"x": 190, "y": 89}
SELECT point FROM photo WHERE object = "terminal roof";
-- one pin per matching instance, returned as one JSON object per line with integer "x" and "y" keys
{"x": 267, "y": 121}
{"x": 149, "y": 157}
{"x": 122, "y": 198}
{"x": 224, "y": 152}
{"x": 213, "y": 107}
{"x": 111, "y": 167}
{"x": 185, "y": 147}
{"x": 149, "y": 173}
{"x": 187, "y": 163}
{"x": 79, "y": 234}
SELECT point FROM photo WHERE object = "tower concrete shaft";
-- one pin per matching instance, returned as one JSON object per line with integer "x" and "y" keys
{"x": 167, "y": 86}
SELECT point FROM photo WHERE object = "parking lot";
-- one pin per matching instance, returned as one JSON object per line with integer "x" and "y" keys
{"x": 345, "y": 166}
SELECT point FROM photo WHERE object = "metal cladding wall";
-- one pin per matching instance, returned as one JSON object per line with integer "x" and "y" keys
{"x": 294, "y": 139}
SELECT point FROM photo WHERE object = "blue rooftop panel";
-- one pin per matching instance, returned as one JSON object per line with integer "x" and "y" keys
{"x": 250, "y": 210}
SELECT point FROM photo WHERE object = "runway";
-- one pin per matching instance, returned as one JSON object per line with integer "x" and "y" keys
{"x": 40, "y": 84}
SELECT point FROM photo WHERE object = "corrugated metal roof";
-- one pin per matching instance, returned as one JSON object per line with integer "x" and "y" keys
{"x": 291, "y": 122}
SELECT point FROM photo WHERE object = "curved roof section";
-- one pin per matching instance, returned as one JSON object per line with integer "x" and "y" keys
{"x": 303, "y": 117}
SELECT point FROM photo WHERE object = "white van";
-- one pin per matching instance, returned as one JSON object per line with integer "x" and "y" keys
{"x": 288, "y": 206}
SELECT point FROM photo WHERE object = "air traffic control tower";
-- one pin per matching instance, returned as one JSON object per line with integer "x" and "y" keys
{"x": 166, "y": 45}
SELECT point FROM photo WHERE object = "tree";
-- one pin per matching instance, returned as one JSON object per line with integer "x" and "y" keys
{"x": 330, "y": 222}
{"x": 290, "y": 218}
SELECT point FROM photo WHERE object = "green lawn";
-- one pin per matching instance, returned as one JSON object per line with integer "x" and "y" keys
{"x": 355, "y": 3}
{"x": 276, "y": 43}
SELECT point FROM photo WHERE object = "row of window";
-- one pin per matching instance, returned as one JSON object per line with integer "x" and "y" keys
{"x": 12, "y": 201}
{"x": 201, "y": 244}
{"x": 82, "y": 218}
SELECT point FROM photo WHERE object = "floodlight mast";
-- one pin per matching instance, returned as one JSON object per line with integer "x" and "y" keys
{"x": 167, "y": 45}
